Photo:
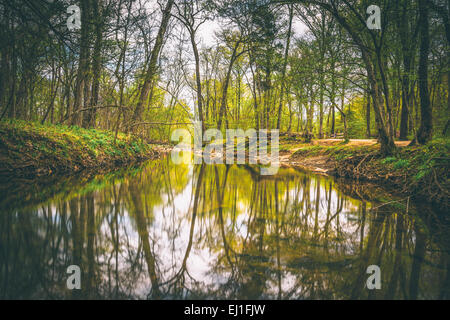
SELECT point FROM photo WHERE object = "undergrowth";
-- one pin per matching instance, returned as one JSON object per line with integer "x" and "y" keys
{"x": 32, "y": 147}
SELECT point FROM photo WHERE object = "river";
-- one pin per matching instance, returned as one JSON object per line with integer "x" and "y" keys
{"x": 166, "y": 231}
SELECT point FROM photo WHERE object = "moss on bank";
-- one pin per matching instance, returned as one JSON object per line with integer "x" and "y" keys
{"x": 419, "y": 171}
{"x": 32, "y": 149}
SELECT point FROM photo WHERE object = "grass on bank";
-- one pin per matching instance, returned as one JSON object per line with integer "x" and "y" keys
{"x": 420, "y": 158}
{"x": 421, "y": 170}
{"x": 31, "y": 146}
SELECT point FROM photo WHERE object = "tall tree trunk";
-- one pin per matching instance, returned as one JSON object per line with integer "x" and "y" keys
{"x": 426, "y": 125}
{"x": 223, "y": 103}
{"x": 290, "y": 113}
{"x": 83, "y": 64}
{"x": 321, "y": 76}
{"x": 342, "y": 110}
{"x": 267, "y": 89}
{"x": 255, "y": 97}
{"x": 385, "y": 89}
{"x": 387, "y": 146}
{"x": 332, "y": 98}
{"x": 368, "y": 116}
{"x": 310, "y": 112}
{"x": 385, "y": 137}
{"x": 408, "y": 51}
{"x": 405, "y": 109}
{"x": 198, "y": 80}
{"x": 152, "y": 67}
{"x": 283, "y": 73}
{"x": 89, "y": 118}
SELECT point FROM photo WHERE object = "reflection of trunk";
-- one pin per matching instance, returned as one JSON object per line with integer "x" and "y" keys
{"x": 76, "y": 238}
{"x": 220, "y": 196}
{"x": 445, "y": 287}
{"x": 363, "y": 225}
{"x": 90, "y": 242}
{"x": 115, "y": 235}
{"x": 419, "y": 253}
{"x": 73, "y": 205}
{"x": 144, "y": 236}
{"x": 179, "y": 278}
{"x": 316, "y": 219}
{"x": 194, "y": 213}
{"x": 367, "y": 256}
{"x": 328, "y": 215}
{"x": 251, "y": 260}
{"x": 392, "y": 287}
{"x": 277, "y": 213}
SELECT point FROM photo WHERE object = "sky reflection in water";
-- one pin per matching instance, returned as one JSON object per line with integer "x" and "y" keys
{"x": 185, "y": 231}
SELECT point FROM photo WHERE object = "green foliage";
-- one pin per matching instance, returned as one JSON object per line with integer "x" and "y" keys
{"x": 397, "y": 163}
{"x": 435, "y": 154}
{"x": 60, "y": 146}
{"x": 401, "y": 163}
{"x": 388, "y": 160}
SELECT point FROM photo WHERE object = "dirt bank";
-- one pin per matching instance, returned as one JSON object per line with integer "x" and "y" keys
{"x": 29, "y": 149}
{"x": 418, "y": 171}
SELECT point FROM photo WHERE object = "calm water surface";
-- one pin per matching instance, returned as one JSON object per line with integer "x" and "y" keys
{"x": 165, "y": 231}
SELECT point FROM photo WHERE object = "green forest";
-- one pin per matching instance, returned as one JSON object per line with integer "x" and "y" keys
{"x": 92, "y": 91}
{"x": 142, "y": 67}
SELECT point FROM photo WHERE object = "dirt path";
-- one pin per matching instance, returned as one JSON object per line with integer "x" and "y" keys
{"x": 323, "y": 163}
{"x": 318, "y": 164}
{"x": 355, "y": 142}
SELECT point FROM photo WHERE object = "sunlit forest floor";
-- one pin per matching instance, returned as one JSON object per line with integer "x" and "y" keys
{"x": 320, "y": 161}
{"x": 356, "y": 142}
{"x": 420, "y": 171}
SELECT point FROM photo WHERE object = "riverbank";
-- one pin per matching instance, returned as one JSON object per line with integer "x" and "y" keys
{"x": 29, "y": 149}
{"x": 418, "y": 171}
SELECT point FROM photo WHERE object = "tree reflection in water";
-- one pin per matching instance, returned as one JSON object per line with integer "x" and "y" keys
{"x": 177, "y": 232}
